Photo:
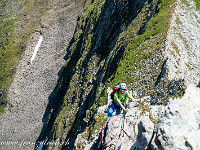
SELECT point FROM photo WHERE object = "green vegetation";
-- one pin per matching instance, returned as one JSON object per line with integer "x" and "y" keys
{"x": 188, "y": 66}
{"x": 17, "y": 23}
{"x": 7, "y": 56}
{"x": 197, "y": 4}
{"x": 158, "y": 25}
{"x": 111, "y": 45}
{"x": 145, "y": 109}
{"x": 2, "y": 108}
{"x": 185, "y": 2}
{"x": 140, "y": 49}
{"x": 100, "y": 120}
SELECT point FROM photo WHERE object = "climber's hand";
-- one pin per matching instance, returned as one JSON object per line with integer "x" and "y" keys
{"x": 126, "y": 110}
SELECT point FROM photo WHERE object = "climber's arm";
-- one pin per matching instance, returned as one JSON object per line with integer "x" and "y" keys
{"x": 132, "y": 99}
{"x": 129, "y": 96}
{"x": 120, "y": 104}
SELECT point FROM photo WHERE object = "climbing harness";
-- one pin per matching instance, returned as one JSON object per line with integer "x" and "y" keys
{"x": 115, "y": 137}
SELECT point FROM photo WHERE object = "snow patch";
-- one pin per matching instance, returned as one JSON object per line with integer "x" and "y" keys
{"x": 37, "y": 48}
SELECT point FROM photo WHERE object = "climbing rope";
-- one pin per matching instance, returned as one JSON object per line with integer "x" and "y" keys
{"x": 130, "y": 137}
{"x": 115, "y": 137}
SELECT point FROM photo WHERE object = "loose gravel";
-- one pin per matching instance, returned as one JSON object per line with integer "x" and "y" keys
{"x": 33, "y": 82}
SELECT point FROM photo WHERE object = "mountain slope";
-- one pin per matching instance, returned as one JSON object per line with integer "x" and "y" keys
{"x": 33, "y": 83}
{"x": 176, "y": 125}
{"x": 148, "y": 44}
{"x": 114, "y": 41}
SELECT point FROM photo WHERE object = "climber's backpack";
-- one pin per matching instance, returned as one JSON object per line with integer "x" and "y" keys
{"x": 115, "y": 89}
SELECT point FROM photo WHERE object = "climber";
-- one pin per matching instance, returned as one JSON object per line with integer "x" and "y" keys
{"x": 119, "y": 97}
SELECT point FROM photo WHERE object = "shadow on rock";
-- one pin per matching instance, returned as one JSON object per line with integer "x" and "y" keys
{"x": 103, "y": 43}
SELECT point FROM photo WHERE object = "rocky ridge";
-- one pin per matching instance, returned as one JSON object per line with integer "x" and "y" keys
{"x": 92, "y": 62}
{"x": 138, "y": 128}
{"x": 178, "y": 127}
{"x": 178, "y": 123}
{"x": 182, "y": 46}
{"x": 107, "y": 32}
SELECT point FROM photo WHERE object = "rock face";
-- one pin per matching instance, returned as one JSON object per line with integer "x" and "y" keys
{"x": 178, "y": 123}
{"x": 137, "y": 132}
{"x": 106, "y": 34}
{"x": 113, "y": 129}
{"x": 182, "y": 45}
{"x": 145, "y": 131}
{"x": 179, "y": 126}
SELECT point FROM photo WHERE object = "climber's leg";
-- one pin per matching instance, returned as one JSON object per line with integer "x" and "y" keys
{"x": 111, "y": 109}
{"x": 118, "y": 111}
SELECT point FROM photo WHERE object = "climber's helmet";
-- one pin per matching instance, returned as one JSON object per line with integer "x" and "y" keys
{"x": 123, "y": 86}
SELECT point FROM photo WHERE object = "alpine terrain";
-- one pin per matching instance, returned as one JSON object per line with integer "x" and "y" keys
{"x": 59, "y": 62}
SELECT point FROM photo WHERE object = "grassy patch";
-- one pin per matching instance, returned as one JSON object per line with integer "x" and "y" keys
{"x": 178, "y": 21}
{"x": 17, "y": 23}
{"x": 185, "y": 2}
{"x": 188, "y": 66}
{"x": 140, "y": 48}
{"x": 134, "y": 56}
{"x": 185, "y": 41}
{"x": 143, "y": 106}
{"x": 175, "y": 47}
{"x": 2, "y": 108}
{"x": 197, "y": 4}
{"x": 100, "y": 120}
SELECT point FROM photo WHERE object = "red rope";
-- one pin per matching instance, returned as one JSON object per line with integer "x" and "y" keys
{"x": 115, "y": 137}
